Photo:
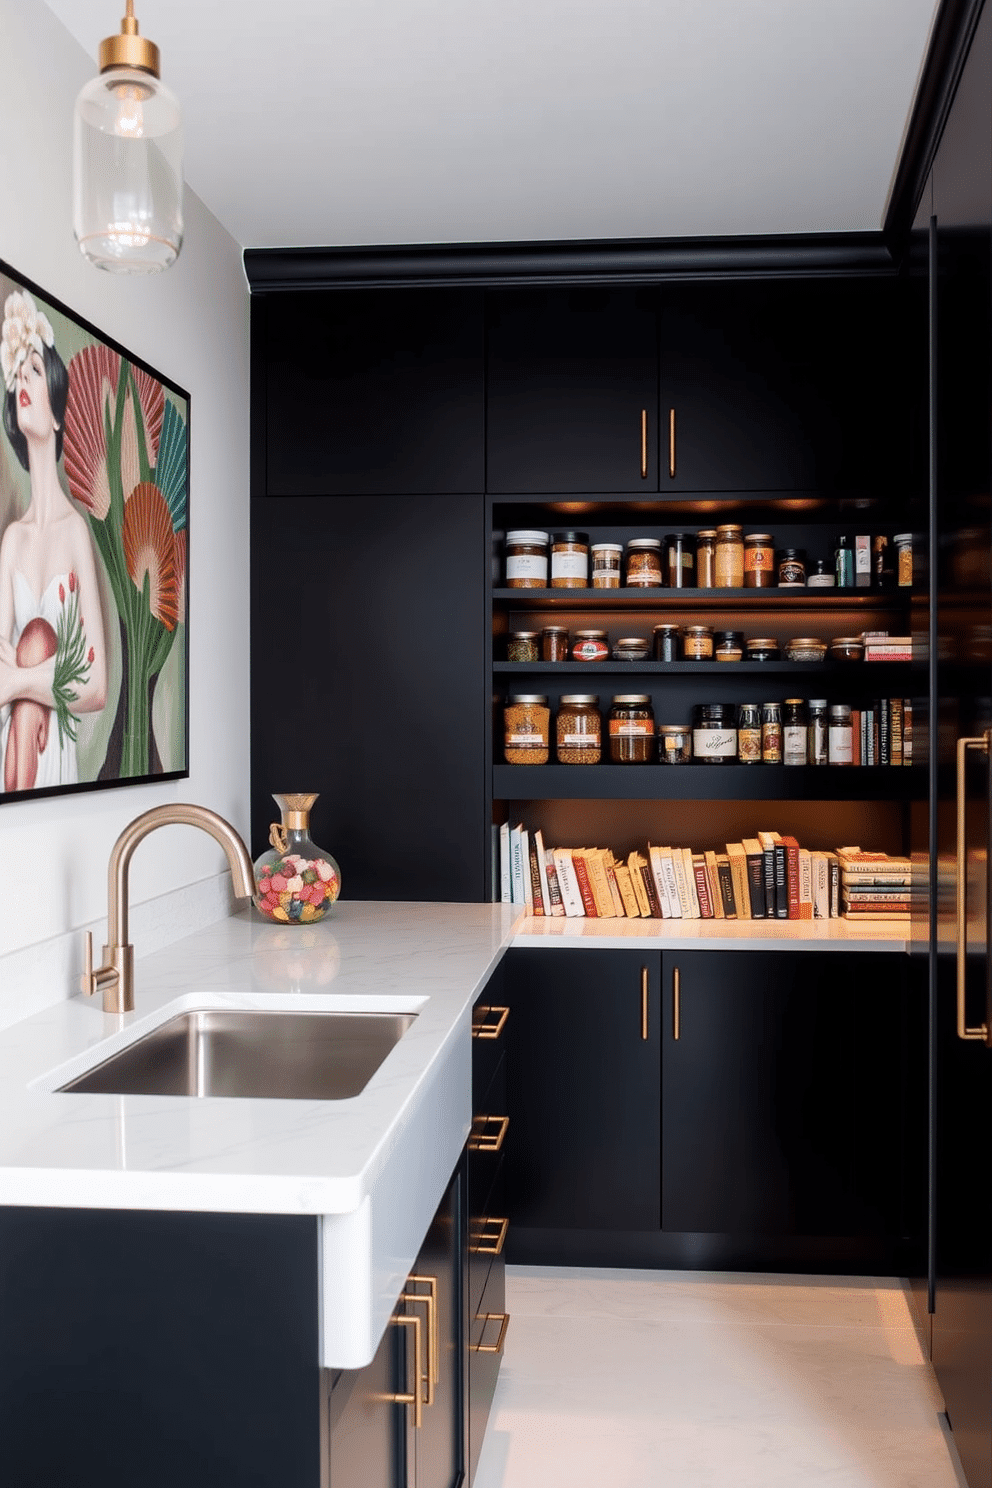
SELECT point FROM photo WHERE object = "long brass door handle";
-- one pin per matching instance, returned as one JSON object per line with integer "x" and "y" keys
{"x": 503, "y": 1318}
{"x": 411, "y": 1397}
{"x": 433, "y": 1340}
{"x": 644, "y": 444}
{"x": 485, "y": 1030}
{"x": 671, "y": 444}
{"x": 981, "y": 1032}
{"x": 644, "y": 1002}
{"x": 482, "y": 1139}
{"x": 676, "y": 1004}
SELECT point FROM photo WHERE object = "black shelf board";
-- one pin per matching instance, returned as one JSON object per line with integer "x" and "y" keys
{"x": 703, "y": 599}
{"x": 892, "y": 670}
{"x": 708, "y": 783}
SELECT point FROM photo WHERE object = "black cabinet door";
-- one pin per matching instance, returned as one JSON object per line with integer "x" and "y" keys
{"x": 368, "y": 683}
{"x": 369, "y": 392}
{"x": 439, "y": 1442}
{"x": 368, "y": 1433}
{"x": 572, "y": 375}
{"x": 583, "y": 1089}
{"x": 782, "y": 1093}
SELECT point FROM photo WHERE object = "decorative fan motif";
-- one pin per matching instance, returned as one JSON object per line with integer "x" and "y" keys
{"x": 151, "y": 396}
{"x": 170, "y": 473}
{"x": 149, "y": 548}
{"x": 179, "y": 539}
{"x": 93, "y": 375}
{"x": 130, "y": 461}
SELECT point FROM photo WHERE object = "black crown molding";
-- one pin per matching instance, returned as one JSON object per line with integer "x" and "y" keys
{"x": 619, "y": 261}
{"x": 950, "y": 39}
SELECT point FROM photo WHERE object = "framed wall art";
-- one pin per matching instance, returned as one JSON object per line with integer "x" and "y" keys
{"x": 94, "y": 557}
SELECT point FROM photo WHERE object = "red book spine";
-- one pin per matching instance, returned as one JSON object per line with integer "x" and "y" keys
{"x": 585, "y": 888}
{"x": 703, "y": 891}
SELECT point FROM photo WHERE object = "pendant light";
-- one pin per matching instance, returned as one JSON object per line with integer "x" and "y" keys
{"x": 127, "y": 192}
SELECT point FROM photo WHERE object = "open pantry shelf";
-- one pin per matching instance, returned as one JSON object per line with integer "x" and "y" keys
{"x": 894, "y": 672}
{"x": 706, "y": 782}
{"x": 705, "y": 599}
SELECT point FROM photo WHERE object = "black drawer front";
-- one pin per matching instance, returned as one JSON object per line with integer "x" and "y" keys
{"x": 489, "y": 1019}
{"x": 487, "y": 1232}
{"x": 487, "y": 1332}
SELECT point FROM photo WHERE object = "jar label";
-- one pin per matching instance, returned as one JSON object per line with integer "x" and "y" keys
{"x": 526, "y": 741}
{"x": 841, "y": 744}
{"x": 581, "y": 741}
{"x": 714, "y": 743}
{"x": 590, "y": 651}
{"x": 673, "y": 743}
{"x": 568, "y": 565}
{"x": 527, "y": 566}
{"x": 756, "y": 559}
{"x": 749, "y": 744}
{"x": 792, "y": 573}
{"x": 698, "y": 650}
{"x": 630, "y": 727}
{"x": 645, "y": 578}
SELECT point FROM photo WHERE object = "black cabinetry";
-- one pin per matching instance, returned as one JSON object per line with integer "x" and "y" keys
{"x": 368, "y": 392}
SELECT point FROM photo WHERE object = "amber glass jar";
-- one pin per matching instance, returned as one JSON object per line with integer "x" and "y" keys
{"x": 578, "y": 729}
{"x": 554, "y": 643}
{"x": 526, "y": 729}
{"x": 570, "y": 560}
{"x": 697, "y": 643}
{"x": 729, "y": 557}
{"x": 680, "y": 560}
{"x": 631, "y": 729}
{"x": 706, "y": 558}
{"x": 644, "y": 563}
{"x": 759, "y": 560}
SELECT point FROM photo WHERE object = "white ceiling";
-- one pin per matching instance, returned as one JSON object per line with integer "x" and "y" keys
{"x": 318, "y": 122}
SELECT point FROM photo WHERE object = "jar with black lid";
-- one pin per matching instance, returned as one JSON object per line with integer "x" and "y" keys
{"x": 714, "y": 733}
{"x": 578, "y": 729}
{"x": 795, "y": 725}
{"x": 680, "y": 560}
{"x": 821, "y": 575}
{"x": 729, "y": 645}
{"x": 631, "y": 729}
{"x": 792, "y": 568}
{"x": 569, "y": 560}
{"x": 762, "y": 648}
{"x": 644, "y": 563}
{"x": 666, "y": 643}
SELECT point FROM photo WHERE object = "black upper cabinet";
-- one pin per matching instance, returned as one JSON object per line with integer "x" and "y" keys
{"x": 370, "y": 392}
{"x": 571, "y": 375}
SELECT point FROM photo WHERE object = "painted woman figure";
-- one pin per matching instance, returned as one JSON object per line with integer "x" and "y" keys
{"x": 53, "y": 655}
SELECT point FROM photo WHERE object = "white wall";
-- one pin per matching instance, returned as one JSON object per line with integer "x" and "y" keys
{"x": 191, "y": 324}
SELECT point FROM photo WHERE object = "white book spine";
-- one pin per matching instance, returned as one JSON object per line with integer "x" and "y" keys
{"x": 569, "y": 884}
{"x": 505, "y": 871}
{"x": 517, "y": 867}
{"x": 661, "y": 887}
{"x": 672, "y": 882}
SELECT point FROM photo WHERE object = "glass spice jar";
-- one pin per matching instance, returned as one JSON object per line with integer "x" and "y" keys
{"x": 714, "y": 733}
{"x": 554, "y": 643}
{"x": 631, "y": 648}
{"x": 590, "y": 645}
{"x": 795, "y": 725}
{"x": 570, "y": 560}
{"x": 706, "y": 558}
{"x": 749, "y": 734}
{"x": 526, "y": 729}
{"x": 771, "y": 733}
{"x": 821, "y": 576}
{"x": 697, "y": 643}
{"x": 521, "y": 645}
{"x": 792, "y": 568}
{"x": 644, "y": 563}
{"x": 729, "y": 645}
{"x": 817, "y": 742}
{"x": 883, "y": 572}
{"x": 680, "y": 560}
{"x": 840, "y": 735}
{"x": 674, "y": 744}
{"x": 526, "y": 560}
{"x": 666, "y": 642}
{"x": 759, "y": 560}
{"x": 631, "y": 729}
{"x": 762, "y": 648}
{"x": 606, "y": 565}
{"x": 578, "y": 729}
{"x": 904, "y": 559}
{"x": 729, "y": 566}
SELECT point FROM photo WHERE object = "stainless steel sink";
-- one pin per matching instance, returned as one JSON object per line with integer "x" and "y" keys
{"x": 262, "y": 1055}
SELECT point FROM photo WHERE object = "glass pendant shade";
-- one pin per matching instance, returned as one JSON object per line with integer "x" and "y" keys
{"x": 128, "y": 172}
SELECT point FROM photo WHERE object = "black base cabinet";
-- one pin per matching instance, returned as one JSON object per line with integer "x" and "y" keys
{"x": 765, "y": 1121}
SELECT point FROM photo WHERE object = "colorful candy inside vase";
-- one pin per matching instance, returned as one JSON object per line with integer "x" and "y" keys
{"x": 296, "y": 882}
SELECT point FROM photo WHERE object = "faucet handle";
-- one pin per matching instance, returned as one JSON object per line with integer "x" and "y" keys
{"x": 86, "y": 983}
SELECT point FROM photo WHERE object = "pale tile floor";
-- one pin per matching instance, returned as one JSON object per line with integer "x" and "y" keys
{"x": 632, "y": 1379}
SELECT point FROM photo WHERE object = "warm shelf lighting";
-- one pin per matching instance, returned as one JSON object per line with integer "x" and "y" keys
{"x": 127, "y": 192}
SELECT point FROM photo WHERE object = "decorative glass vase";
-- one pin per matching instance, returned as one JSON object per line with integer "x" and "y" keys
{"x": 296, "y": 882}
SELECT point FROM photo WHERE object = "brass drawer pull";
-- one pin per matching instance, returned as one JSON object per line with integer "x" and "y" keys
{"x": 404, "y": 1320}
{"x": 671, "y": 444}
{"x": 644, "y": 444}
{"x": 981, "y": 1031}
{"x": 482, "y": 1140}
{"x": 433, "y": 1344}
{"x": 483, "y": 1030}
{"x": 503, "y": 1318}
{"x": 676, "y": 1004}
{"x": 481, "y": 1239}
{"x": 644, "y": 1002}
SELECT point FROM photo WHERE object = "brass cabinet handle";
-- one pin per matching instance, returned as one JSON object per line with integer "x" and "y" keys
{"x": 482, "y": 1242}
{"x": 413, "y": 1397}
{"x": 433, "y": 1342}
{"x": 676, "y": 1004}
{"x": 671, "y": 444}
{"x": 503, "y": 1318}
{"x": 644, "y": 444}
{"x": 961, "y": 909}
{"x": 482, "y": 1140}
{"x": 484, "y": 1030}
{"x": 644, "y": 1002}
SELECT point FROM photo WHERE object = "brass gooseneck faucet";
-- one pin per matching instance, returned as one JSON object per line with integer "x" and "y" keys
{"x": 116, "y": 975}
